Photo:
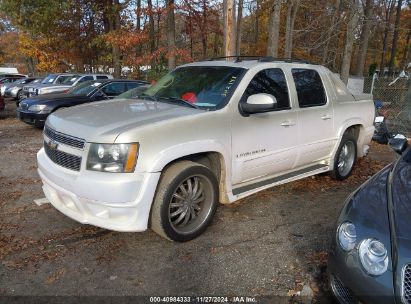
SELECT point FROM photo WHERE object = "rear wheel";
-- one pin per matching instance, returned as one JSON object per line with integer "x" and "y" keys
{"x": 345, "y": 157}
{"x": 185, "y": 201}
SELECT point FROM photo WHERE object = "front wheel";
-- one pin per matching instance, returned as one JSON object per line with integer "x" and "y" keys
{"x": 185, "y": 201}
{"x": 345, "y": 158}
{"x": 20, "y": 95}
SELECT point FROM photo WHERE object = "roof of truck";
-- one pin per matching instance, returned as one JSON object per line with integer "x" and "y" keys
{"x": 247, "y": 62}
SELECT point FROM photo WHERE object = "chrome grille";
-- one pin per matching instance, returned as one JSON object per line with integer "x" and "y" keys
{"x": 64, "y": 139}
{"x": 63, "y": 159}
{"x": 343, "y": 294}
{"x": 406, "y": 285}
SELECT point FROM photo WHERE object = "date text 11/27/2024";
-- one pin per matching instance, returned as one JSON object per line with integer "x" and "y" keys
{"x": 205, "y": 299}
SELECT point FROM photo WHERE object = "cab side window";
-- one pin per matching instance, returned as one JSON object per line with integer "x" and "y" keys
{"x": 270, "y": 81}
{"x": 86, "y": 78}
{"x": 310, "y": 89}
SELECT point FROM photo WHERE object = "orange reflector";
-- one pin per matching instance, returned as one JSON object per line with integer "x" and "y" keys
{"x": 131, "y": 158}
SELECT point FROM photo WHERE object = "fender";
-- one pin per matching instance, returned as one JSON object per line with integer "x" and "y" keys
{"x": 172, "y": 153}
{"x": 175, "y": 152}
{"x": 349, "y": 123}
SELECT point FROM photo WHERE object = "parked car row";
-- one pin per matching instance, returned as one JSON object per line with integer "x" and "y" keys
{"x": 14, "y": 90}
{"x": 55, "y": 83}
{"x": 8, "y": 78}
{"x": 36, "y": 109}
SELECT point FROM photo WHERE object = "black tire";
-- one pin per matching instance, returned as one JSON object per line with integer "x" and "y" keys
{"x": 19, "y": 96}
{"x": 170, "y": 199}
{"x": 348, "y": 143}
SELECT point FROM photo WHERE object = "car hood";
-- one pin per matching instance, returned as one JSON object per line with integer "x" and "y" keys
{"x": 104, "y": 121}
{"x": 368, "y": 208}
{"x": 401, "y": 190}
{"x": 10, "y": 86}
{"x": 38, "y": 85}
{"x": 50, "y": 98}
{"x": 62, "y": 86}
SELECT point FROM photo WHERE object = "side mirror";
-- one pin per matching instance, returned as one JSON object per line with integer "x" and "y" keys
{"x": 399, "y": 143}
{"x": 259, "y": 103}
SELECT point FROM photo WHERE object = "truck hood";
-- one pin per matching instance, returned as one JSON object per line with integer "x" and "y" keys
{"x": 104, "y": 121}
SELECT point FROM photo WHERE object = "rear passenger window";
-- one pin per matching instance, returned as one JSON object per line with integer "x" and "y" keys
{"x": 132, "y": 85}
{"x": 310, "y": 90}
{"x": 86, "y": 78}
{"x": 270, "y": 81}
{"x": 114, "y": 89}
{"x": 102, "y": 77}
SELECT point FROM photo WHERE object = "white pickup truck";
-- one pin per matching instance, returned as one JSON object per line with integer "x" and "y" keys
{"x": 207, "y": 132}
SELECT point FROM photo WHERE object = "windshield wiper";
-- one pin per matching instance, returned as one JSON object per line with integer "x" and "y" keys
{"x": 181, "y": 101}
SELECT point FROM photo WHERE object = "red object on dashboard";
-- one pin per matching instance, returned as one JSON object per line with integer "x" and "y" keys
{"x": 189, "y": 96}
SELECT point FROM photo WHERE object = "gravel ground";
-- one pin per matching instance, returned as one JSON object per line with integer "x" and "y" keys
{"x": 270, "y": 244}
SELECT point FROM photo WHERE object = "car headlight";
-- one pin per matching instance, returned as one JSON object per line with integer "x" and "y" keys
{"x": 373, "y": 256}
{"x": 37, "y": 107}
{"x": 120, "y": 158}
{"x": 347, "y": 236}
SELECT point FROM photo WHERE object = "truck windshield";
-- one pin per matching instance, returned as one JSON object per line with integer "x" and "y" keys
{"x": 49, "y": 79}
{"x": 207, "y": 87}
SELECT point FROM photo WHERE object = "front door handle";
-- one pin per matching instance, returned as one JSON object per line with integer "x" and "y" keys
{"x": 287, "y": 123}
{"x": 326, "y": 117}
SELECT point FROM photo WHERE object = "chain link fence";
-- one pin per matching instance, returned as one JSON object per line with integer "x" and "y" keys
{"x": 394, "y": 96}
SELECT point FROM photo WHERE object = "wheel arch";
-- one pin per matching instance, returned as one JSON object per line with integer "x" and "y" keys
{"x": 212, "y": 159}
{"x": 357, "y": 130}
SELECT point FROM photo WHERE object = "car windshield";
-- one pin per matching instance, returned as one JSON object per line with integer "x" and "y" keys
{"x": 207, "y": 87}
{"x": 85, "y": 88}
{"x": 133, "y": 93}
{"x": 49, "y": 79}
{"x": 21, "y": 81}
{"x": 70, "y": 80}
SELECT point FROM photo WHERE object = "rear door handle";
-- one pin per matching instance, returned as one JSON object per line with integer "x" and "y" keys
{"x": 326, "y": 117}
{"x": 287, "y": 123}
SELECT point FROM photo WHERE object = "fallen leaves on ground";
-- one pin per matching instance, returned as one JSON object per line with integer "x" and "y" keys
{"x": 55, "y": 276}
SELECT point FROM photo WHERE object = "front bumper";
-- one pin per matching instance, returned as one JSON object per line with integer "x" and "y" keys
{"x": 350, "y": 284}
{"x": 32, "y": 118}
{"x": 114, "y": 201}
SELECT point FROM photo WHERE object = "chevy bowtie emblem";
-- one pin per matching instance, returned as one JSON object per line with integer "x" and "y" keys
{"x": 53, "y": 144}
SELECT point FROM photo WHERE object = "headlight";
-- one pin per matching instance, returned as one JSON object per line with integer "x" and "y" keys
{"x": 37, "y": 108}
{"x": 112, "y": 157}
{"x": 347, "y": 236}
{"x": 373, "y": 256}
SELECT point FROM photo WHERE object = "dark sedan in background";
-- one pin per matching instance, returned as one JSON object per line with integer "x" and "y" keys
{"x": 35, "y": 110}
{"x": 370, "y": 257}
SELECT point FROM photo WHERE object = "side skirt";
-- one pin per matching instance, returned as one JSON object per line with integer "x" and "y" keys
{"x": 278, "y": 180}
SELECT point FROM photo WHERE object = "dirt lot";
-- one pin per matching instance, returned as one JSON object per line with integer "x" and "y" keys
{"x": 270, "y": 244}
